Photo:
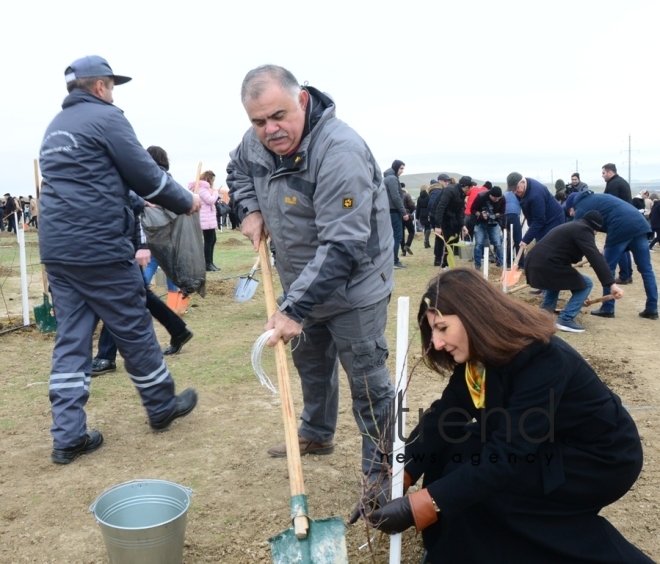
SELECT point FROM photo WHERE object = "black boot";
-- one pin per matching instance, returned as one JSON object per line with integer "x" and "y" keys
{"x": 176, "y": 343}
{"x": 211, "y": 267}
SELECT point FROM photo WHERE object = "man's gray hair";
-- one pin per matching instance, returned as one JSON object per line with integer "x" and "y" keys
{"x": 257, "y": 80}
{"x": 87, "y": 83}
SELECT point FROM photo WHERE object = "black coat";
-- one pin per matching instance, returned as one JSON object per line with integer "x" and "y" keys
{"x": 548, "y": 264}
{"x": 619, "y": 188}
{"x": 483, "y": 203}
{"x": 654, "y": 218}
{"x": 423, "y": 207}
{"x": 450, "y": 210}
{"x": 525, "y": 482}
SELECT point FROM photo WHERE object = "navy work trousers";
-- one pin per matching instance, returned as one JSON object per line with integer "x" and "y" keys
{"x": 114, "y": 293}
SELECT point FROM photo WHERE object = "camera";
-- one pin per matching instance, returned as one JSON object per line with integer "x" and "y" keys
{"x": 492, "y": 216}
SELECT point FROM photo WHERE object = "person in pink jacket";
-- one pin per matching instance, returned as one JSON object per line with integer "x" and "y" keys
{"x": 207, "y": 215}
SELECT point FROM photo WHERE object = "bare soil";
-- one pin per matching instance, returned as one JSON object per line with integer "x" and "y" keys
{"x": 241, "y": 496}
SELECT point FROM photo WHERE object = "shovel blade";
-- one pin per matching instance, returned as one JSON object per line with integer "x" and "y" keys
{"x": 245, "y": 289}
{"x": 513, "y": 276}
{"x": 45, "y": 320}
{"x": 325, "y": 544}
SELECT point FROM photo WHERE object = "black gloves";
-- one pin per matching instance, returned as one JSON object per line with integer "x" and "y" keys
{"x": 395, "y": 517}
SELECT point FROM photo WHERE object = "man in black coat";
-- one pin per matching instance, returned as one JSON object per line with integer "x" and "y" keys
{"x": 549, "y": 266}
{"x": 619, "y": 188}
{"x": 10, "y": 208}
{"x": 449, "y": 217}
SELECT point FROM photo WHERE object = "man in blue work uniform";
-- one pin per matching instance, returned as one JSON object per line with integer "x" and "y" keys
{"x": 90, "y": 159}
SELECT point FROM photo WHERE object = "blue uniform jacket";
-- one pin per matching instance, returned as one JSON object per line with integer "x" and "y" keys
{"x": 541, "y": 211}
{"x": 90, "y": 160}
{"x": 621, "y": 221}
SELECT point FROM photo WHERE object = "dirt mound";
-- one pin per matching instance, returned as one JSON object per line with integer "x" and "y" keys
{"x": 220, "y": 287}
{"x": 232, "y": 242}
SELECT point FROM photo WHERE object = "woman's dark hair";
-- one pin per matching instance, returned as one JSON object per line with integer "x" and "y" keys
{"x": 497, "y": 325}
{"x": 208, "y": 176}
{"x": 159, "y": 155}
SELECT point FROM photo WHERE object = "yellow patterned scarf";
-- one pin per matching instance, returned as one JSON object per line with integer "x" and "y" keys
{"x": 475, "y": 376}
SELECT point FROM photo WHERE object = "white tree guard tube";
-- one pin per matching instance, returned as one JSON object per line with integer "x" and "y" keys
{"x": 504, "y": 250}
{"x": 402, "y": 323}
{"x": 20, "y": 235}
{"x": 486, "y": 249}
{"x": 511, "y": 255}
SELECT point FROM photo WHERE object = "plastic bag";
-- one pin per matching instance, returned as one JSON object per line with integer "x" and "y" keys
{"x": 177, "y": 244}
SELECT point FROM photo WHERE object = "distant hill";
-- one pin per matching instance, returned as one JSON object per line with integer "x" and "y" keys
{"x": 413, "y": 183}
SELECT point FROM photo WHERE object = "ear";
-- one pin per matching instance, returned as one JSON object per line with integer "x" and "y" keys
{"x": 98, "y": 88}
{"x": 303, "y": 99}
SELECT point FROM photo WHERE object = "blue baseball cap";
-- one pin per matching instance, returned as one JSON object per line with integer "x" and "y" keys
{"x": 91, "y": 66}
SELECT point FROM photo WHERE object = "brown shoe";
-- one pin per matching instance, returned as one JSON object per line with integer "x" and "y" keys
{"x": 306, "y": 447}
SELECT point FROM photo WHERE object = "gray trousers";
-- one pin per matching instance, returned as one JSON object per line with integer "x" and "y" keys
{"x": 356, "y": 339}
{"x": 116, "y": 294}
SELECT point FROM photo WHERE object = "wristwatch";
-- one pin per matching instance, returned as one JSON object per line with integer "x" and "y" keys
{"x": 435, "y": 506}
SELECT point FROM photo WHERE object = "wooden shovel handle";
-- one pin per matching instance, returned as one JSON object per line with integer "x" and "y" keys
{"x": 599, "y": 300}
{"x": 37, "y": 183}
{"x": 517, "y": 288}
{"x": 199, "y": 173}
{"x": 44, "y": 278}
{"x": 296, "y": 482}
{"x": 518, "y": 256}
{"x": 580, "y": 264}
{"x": 256, "y": 266}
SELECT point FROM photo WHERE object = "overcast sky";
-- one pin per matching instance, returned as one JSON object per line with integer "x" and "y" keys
{"x": 481, "y": 88}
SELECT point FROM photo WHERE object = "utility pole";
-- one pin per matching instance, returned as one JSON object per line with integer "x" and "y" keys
{"x": 576, "y": 166}
{"x": 552, "y": 177}
{"x": 629, "y": 161}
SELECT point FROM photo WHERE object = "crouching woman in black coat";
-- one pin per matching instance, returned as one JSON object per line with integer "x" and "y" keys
{"x": 525, "y": 446}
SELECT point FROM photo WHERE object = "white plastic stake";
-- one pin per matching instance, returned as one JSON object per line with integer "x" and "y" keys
{"x": 20, "y": 235}
{"x": 511, "y": 255}
{"x": 402, "y": 322}
{"x": 486, "y": 249}
{"x": 504, "y": 251}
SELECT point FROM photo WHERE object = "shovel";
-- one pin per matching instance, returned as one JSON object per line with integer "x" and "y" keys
{"x": 587, "y": 303}
{"x": 46, "y": 322}
{"x": 306, "y": 541}
{"x": 247, "y": 285}
{"x": 511, "y": 277}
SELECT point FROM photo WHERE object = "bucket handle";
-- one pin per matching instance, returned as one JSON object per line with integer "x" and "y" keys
{"x": 92, "y": 507}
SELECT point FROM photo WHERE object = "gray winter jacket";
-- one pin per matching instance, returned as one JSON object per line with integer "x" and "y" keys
{"x": 394, "y": 192}
{"x": 90, "y": 160}
{"x": 326, "y": 210}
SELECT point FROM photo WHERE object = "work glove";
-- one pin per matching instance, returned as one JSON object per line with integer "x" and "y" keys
{"x": 401, "y": 514}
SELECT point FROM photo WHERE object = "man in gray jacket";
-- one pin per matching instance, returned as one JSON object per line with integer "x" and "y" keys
{"x": 91, "y": 159}
{"x": 311, "y": 182}
{"x": 398, "y": 213}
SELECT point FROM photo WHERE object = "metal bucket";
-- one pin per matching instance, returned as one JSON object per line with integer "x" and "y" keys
{"x": 143, "y": 521}
{"x": 466, "y": 250}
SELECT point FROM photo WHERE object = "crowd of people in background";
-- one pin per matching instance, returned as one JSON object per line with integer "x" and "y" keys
{"x": 14, "y": 209}
{"x": 527, "y": 210}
